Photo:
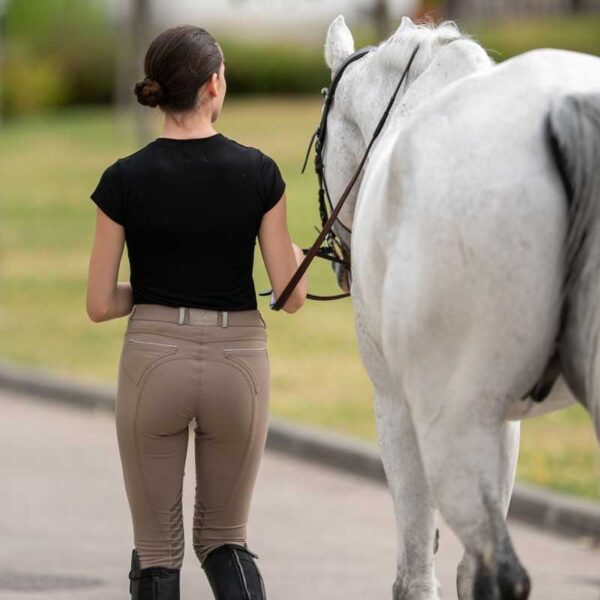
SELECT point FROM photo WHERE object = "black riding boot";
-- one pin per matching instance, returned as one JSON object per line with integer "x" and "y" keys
{"x": 233, "y": 573}
{"x": 153, "y": 583}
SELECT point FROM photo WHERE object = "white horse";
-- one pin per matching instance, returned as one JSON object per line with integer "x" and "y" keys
{"x": 464, "y": 225}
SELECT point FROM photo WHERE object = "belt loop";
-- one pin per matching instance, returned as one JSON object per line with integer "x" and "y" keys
{"x": 181, "y": 318}
{"x": 224, "y": 318}
{"x": 131, "y": 313}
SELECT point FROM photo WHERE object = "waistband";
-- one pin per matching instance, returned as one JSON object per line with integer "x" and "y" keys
{"x": 185, "y": 315}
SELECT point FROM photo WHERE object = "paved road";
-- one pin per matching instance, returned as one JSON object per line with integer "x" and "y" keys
{"x": 65, "y": 531}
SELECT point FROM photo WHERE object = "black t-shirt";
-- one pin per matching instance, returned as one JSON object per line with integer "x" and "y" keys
{"x": 191, "y": 210}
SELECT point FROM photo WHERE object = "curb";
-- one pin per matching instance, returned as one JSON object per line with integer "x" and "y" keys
{"x": 541, "y": 508}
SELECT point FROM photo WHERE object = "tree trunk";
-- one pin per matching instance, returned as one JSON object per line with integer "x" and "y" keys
{"x": 132, "y": 32}
{"x": 454, "y": 8}
{"x": 381, "y": 19}
{"x": 2, "y": 52}
{"x": 140, "y": 30}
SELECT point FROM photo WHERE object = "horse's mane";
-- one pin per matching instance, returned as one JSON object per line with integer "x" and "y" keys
{"x": 395, "y": 50}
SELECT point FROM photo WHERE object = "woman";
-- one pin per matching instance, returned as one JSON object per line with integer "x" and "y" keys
{"x": 190, "y": 205}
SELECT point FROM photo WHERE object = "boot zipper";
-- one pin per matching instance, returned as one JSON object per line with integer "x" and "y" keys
{"x": 241, "y": 574}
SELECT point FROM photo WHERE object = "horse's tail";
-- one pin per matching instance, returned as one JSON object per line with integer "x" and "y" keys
{"x": 575, "y": 133}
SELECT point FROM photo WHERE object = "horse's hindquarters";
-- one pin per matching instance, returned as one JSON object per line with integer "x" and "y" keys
{"x": 476, "y": 217}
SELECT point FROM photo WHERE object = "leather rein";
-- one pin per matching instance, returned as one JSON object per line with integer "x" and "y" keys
{"x": 330, "y": 251}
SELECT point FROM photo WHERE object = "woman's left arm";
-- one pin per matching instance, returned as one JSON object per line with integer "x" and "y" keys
{"x": 106, "y": 297}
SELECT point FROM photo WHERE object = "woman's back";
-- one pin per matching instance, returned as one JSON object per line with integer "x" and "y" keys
{"x": 190, "y": 206}
{"x": 191, "y": 209}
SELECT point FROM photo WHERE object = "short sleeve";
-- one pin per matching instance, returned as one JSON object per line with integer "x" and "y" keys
{"x": 272, "y": 184}
{"x": 109, "y": 193}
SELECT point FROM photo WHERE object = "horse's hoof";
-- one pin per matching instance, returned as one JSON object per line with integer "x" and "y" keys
{"x": 511, "y": 583}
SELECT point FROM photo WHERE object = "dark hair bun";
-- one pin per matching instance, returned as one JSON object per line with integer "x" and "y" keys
{"x": 149, "y": 92}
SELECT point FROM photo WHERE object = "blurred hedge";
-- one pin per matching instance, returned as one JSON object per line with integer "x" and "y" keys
{"x": 63, "y": 52}
{"x": 508, "y": 37}
{"x": 278, "y": 67}
{"x": 273, "y": 68}
{"x": 56, "y": 52}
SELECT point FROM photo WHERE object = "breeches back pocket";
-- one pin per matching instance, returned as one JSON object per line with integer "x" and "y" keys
{"x": 252, "y": 360}
{"x": 142, "y": 351}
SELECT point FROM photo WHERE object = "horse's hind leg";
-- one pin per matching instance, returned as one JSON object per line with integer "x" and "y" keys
{"x": 462, "y": 452}
{"x": 415, "y": 515}
{"x": 467, "y": 568}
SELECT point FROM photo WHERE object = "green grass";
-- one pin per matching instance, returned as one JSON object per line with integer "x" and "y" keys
{"x": 49, "y": 166}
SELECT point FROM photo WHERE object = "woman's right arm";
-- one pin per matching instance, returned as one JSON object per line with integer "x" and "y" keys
{"x": 281, "y": 256}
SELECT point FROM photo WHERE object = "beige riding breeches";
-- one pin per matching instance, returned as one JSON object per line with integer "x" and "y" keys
{"x": 176, "y": 365}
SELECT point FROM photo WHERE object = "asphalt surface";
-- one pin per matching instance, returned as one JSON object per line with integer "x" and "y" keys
{"x": 65, "y": 530}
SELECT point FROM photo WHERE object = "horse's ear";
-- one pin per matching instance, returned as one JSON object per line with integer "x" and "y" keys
{"x": 406, "y": 24}
{"x": 339, "y": 44}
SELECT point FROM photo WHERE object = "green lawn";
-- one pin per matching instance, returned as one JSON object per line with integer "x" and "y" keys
{"x": 50, "y": 164}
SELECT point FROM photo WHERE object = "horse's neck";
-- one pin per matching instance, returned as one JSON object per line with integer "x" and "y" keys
{"x": 452, "y": 62}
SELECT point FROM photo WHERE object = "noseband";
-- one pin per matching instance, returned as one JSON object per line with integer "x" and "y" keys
{"x": 327, "y": 235}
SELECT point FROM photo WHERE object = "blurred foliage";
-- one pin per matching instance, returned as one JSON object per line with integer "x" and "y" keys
{"x": 508, "y": 37}
{"x": 57, "y": 52}
{"x": 278, "y": 67}
{"x": 273, "y": 67}
{"x": 32, "y": 83}
{"x": 63, "y": 52}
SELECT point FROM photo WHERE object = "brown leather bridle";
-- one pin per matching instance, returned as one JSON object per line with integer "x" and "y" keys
{"x": 335, "y": 250}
